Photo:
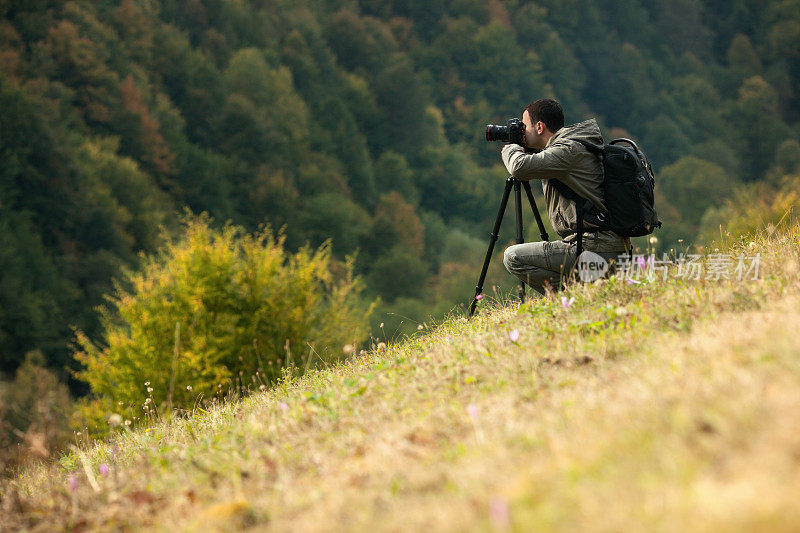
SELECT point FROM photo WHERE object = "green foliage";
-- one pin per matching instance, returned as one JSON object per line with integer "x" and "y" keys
{"x": 35, "y": 298}
{"x": 691, "y": 186}
{"x": 264, "y": 116}
{"x": 397, "y": 222}
{"x": 117, "y": 192}
{"x": 392, "y": 173}
{"x": 398, "y": 272}
{"x": 213, "y": 310}
{"x": 332, "y": 216}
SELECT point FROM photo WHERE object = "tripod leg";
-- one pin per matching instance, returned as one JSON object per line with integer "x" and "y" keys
{"x": 492, "y": 241}
{"x": 529, "y": 193}
{"x": 520, "y": 236}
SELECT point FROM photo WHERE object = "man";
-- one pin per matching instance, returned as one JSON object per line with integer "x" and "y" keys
{"x": 553, "y": 154}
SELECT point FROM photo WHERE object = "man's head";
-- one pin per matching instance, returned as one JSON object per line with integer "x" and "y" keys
{"x": 542, "y": 119}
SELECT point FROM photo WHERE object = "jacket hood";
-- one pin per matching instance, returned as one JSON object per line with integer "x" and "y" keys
{"x": 588, "y": 131}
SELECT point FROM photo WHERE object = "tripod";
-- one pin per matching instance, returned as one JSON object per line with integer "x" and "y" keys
{"x": 518, "y": 185}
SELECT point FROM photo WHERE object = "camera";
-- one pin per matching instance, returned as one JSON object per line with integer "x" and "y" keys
{"x": 513, "y": 132}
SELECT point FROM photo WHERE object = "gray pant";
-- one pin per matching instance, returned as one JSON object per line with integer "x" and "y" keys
{"x": 543, "y": 263}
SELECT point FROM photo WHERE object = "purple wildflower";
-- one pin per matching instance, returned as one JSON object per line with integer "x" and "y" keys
{"x": 641, "y": 262}
{"x": 283, "y": 406}
{"x": 73, "y": 482}
{"x": 567, "y": 303}
{"x": 472, "y": 411}
{"x": 479, "y": 297}
{"x": 499, "y": 513}
{"x": 104, "y": 469}
{"x": 513, "y": 335}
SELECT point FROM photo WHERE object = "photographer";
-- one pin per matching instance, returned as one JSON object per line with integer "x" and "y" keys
{"x": 549, "y": 153}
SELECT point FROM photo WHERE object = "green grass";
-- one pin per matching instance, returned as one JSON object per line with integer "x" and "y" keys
{"x": 656, "y": 406}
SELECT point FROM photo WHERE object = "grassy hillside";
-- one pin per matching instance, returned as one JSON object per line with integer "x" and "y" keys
{"x": 641, "y": 406}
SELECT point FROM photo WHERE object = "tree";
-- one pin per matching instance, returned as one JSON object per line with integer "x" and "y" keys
{"x": 141, "y": 131}
{"x": 330, "y": 216}
{"x": 742, "y": 56}
{"x": 397, "y": 273}
{"x": 264, "y": 119}
{"x": 692, "y": 186}
{"x": 756, "y": 110}
{"x": 35, "y": 297}
{"x": 403, "y": 100}
{"x": 392, "y": 173}
{"x": 396, "y": 222}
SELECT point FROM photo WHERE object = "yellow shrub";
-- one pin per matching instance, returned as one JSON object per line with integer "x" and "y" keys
{"x": 216, "y": 310}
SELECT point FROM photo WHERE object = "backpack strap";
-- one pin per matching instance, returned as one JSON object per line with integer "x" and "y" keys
{"x": 598, "y": 150}
{"x": 593, "y": 148}
{"x": 629, "y": 141}
{"x": 581, "y": 206}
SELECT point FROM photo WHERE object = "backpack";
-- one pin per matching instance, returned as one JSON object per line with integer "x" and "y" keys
{"x": 628, "y": 185}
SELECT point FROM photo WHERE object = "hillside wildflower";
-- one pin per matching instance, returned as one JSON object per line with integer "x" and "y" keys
{"x": 73, "y": 482}
{"x": 283, "y": 406}
{"x": 566, "y": 304}
{"x": 479, "y": 297}
{"x": 513, "y": 335}
{"x": 103, "y": 469}
{"x": 499, "y": 513}
{"x": 472, "y": 411}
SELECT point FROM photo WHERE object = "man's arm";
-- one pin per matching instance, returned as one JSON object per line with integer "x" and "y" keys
{"x": 552, "y": 162}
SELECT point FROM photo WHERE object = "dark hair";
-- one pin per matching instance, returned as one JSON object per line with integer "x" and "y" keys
{"x": 548, "y": 111}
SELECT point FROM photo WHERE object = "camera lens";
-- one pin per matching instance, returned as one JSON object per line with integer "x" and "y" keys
{"x": 497, "y": 133}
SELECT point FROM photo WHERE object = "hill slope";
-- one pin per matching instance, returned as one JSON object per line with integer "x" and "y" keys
{"x": 666, "y": 405}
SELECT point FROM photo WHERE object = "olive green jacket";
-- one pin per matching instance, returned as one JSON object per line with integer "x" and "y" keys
{"x": 582, "y": 171}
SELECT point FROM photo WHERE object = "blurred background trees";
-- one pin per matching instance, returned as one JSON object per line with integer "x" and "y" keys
{"x": 359, "y": 122}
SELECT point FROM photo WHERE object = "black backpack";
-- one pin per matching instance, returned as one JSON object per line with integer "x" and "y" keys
{"x": 628, "y": 184}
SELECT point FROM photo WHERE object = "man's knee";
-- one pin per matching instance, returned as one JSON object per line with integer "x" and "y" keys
{"x": 511, "y": 259}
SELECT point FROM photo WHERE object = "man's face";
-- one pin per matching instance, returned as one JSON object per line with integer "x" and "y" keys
{"x": 533, "y": 132}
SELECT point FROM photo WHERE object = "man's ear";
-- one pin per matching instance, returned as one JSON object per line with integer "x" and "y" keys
{"x": 539, "y": 127}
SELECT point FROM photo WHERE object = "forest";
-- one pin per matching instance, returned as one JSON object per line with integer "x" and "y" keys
{"x": 360, "y": 123}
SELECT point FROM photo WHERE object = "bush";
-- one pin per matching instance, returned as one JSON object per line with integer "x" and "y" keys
{"x": 216, "y": 310}
{"x": 34, "y": 413}
{"x": 755, "y": 208}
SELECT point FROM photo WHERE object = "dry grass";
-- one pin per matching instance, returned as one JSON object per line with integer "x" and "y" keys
{"x": 663, "y": 406}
